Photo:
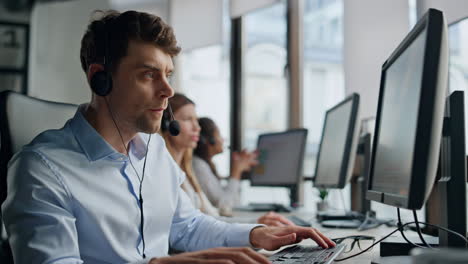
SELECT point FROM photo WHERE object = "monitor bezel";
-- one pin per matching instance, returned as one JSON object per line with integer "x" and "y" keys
{"x": 350, "y": 146}
{"x": 432, "y": 22}
{"x": 304, "y": 133}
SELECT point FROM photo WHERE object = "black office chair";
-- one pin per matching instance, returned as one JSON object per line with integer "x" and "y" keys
{"x": 21, "y": 119}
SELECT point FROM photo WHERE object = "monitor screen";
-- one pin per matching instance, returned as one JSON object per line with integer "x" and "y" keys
{"x": 396, "y": 141}
{"x": 280, "y": 158}
{"x": 338, "y": 145}
{"x": 410, "y": 116}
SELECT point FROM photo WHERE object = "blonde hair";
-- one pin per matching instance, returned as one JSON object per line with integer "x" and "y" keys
{"x": 186, "y": 166}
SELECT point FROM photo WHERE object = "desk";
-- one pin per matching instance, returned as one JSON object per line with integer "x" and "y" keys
{"x": 364, "y": 258}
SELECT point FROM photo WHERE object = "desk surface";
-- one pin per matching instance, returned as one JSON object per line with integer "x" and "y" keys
{"x": 364, "y": 258}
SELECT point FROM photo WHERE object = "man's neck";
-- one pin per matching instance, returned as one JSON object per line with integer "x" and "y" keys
{"x": 99, "y": 117}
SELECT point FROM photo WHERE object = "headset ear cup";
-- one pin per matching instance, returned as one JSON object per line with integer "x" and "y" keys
{"x": 212, "y": 140}
{"x": 202, "y": 140}
{"x": 101, "y": 83}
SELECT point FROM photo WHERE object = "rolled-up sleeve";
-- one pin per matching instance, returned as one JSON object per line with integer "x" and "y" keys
{"x": 38, "y": 213}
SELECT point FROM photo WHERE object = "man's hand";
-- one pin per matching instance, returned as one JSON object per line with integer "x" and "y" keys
{"x": 215, "y": 255}
{"x": 274, "y": 219}
{"x": 272, "y": 238}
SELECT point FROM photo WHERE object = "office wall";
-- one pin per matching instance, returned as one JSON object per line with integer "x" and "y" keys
{"x": 156, "y": 7}
{"x": 57, "y": 28}
{"x": 242, "y": 7}
{"x": 54, "y": 66}
{"x": 194, "y": 30}
{"x": 453, "y": 9}
{"x": 372, "y": 30}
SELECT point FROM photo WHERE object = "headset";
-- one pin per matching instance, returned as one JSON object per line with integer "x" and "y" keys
{"x": 204, "y": 139}
{"x": 101, "y": 85}
{"x": 168, "y": 122}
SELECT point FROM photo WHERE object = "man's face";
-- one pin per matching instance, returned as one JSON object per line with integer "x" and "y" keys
{"x": 141, "y": 87}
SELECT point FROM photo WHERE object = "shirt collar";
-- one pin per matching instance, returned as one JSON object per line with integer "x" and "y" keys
{"x": 95, "y": 146}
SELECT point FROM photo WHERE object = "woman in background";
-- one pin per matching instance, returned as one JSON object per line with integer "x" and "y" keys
{"x": 211, "y": 144}
{"x": 181, "y": 148}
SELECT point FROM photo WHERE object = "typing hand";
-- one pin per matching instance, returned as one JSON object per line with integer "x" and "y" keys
{"x": 272, "y": 238}
{"x": 215, "y": 255}
{"x": 274, "y": 219}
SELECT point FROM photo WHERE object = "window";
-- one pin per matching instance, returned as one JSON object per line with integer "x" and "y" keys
{"x": 205, "y": 75}
{"x": 265, "y": 94}
{"x": 265, "y": 82}
{"x": 413, "y": 17}
{"x": 323, "y": 70}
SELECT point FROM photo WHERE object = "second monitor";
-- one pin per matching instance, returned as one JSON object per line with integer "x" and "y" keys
{"x": 335, "y": 158}
{"x": 280, "y": 158}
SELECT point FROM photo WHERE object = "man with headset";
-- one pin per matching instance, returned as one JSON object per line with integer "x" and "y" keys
{"x": 86, "y": 193}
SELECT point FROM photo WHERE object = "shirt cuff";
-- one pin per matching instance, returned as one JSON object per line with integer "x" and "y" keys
{"x": 240, "y": 235}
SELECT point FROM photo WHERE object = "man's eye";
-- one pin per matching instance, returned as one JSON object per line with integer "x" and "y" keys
{"x": 149, "y": 75}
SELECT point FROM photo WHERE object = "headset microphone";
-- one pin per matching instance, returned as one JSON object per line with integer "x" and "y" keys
{"x": 174, "y": 127}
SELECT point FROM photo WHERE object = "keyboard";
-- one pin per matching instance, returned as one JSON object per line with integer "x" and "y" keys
{"x": 299, "y": 221}
{"x": 307, "y": 254}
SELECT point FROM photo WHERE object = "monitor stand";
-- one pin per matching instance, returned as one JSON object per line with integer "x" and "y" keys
{"x": 353, "y": 224}
{"x": 294, "y": 198}
{"x": 352, "y": 220}
{"x": 337, "y": 219}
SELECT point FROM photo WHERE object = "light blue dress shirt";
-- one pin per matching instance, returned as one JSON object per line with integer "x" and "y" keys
{"x": 72, "y": 198}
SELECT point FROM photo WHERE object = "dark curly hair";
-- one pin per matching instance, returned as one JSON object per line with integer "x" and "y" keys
{"x": 207, "y": 131}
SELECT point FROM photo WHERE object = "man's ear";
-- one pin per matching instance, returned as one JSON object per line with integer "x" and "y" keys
{"x": 92, "y": 69}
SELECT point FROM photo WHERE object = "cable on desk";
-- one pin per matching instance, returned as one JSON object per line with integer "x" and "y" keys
{"x": 398, "y": 229}
{"x": 419, "y": 230}
{"x": 402, "y": 231}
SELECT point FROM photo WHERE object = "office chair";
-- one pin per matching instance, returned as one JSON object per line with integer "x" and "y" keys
{"x": 21, "y": 119}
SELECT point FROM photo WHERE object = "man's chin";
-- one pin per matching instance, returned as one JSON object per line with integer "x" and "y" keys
{"x": 151, "y": 130}
{"x": 149, "y": 126}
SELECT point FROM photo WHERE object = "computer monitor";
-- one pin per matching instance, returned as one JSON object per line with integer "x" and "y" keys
{"x": 281, "y": 156}
{"x": 337, "y": 150}
{"x": 410, "y": 116}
